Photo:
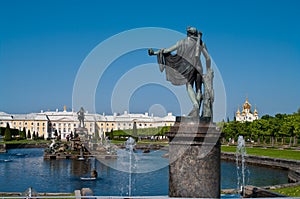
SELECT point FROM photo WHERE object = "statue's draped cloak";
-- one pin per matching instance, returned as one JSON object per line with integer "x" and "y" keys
{"x": 180, "y": 67}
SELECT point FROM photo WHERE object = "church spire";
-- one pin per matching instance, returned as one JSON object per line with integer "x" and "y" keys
{"x": 238, "y": 111}
{"x": 255, "y": 111}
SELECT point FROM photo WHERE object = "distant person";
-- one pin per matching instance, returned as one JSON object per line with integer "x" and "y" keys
{"x": 94, "y": 173}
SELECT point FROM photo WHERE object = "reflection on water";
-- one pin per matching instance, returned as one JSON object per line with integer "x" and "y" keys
{"x": 64, "y": 175}
{"x": 254, "y": 175}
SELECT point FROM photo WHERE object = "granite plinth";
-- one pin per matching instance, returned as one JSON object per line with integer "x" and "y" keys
{"x": 82, "y": 133}
{"x": 194, "y": 154}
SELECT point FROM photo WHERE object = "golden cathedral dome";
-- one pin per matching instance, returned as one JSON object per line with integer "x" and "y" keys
{"x": 247, "y": 105}
{"x": 238, "y": 111}
{"x": 255, "y": 112}
{"x": 243, "y": 112}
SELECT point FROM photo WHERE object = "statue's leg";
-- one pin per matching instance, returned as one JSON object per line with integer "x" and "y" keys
{"x": 199, "y": 98}
{"x": 192, "y": 95}
{"x": 199, "y": 89}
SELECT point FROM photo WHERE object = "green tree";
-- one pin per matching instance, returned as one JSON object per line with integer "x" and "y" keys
{"x": 255, "y": 127}
{"x": 23, "y": 134}
{"x": 285, "y": 129}
{"x": 33, "y": 135}
{"x": 7, "y": 133}
{"x": 266, "y": 129}
{"x": 24, "y": 130}
{"x": 274, "y": 127}
{"x": 228, "y": 131}
{"x": 297, "y": 128}
{"x": 245, "y": 130}
{"x": 294, "y": 129}
{"x": 111, "y": 134}
{"x": 28, "y": 135}
{"x": 265, "y": 117}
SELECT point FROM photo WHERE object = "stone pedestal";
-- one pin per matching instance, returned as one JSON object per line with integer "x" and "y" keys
{"x": 194, "y": 154}
{"x": 82, "y": 133}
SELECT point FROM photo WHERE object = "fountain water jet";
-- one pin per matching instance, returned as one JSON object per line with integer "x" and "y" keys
{"x": 240, "y": 164}
{"x": 130, "y": 146}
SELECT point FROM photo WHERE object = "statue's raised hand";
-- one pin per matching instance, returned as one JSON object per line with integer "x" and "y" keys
{"x": 150, "y": 51}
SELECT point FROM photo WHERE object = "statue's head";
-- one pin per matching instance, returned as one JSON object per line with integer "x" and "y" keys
{"x": 81, "y": 110}
{"x": 191, "y": 31}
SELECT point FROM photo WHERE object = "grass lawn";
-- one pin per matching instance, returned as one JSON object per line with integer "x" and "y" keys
{"x": 274, "y": 153}
{"x": 289, "y": 191}
{"x": 142, "y": 142}
{"x": 27, "y": 142}
{"x": 152, "y": 142}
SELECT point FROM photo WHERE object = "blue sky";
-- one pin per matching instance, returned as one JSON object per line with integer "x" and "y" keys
{"x": 255, "y": 44}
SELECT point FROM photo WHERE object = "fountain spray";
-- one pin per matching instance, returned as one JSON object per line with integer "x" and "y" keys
{"x": 240, "y": 164}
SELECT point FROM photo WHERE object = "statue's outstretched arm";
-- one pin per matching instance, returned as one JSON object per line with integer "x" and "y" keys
{"x": 171, "y": 49}
{"x": 164, "y": 50}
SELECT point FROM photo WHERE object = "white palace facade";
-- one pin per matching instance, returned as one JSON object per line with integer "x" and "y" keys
{"x": 64, "y": 122}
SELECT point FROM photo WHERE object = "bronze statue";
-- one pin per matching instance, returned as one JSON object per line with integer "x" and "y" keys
{"x": 185, "y": 68}
{"x": 208, "y": 98}
{"x": 80, "y": 114}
